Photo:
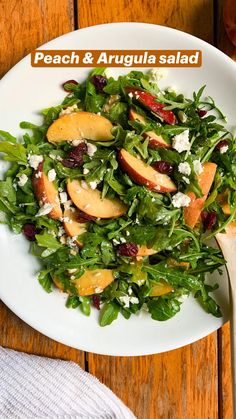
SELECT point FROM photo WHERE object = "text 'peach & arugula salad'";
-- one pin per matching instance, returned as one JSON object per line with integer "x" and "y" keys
{"x": 119, "y": 191}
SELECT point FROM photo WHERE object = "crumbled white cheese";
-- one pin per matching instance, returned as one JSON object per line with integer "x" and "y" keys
{"x": 91, "y": 149}
{"x": 181, "y": 142}
{"x": 130, "y": 95}
{"x": 158, "y": 74}
{"x": 93, "y": 184}
{"x": 127, "y": 233}
{"x": 184, "y": 168}
{"x": 186, "y": 180}
{"x": 61, "y": 231}
{"x": 115, "y": 242}
{"x": 72, "y": 271}
{"x": 65, "y": 220}
{"x": 67, "y": 205}
{"x": 98, "y": 290}
{"x": 77, "y": 142}
{"x": 52, "y": 175}
{"x": 71, "y": 241}
{"x": 68, "y": 110}
{"x": 38, "y": 175}
{"x": 126, "y": 299}
{"x": 224, "y": 149}
{"x": 85, "y": 171}
{"x": 63, "y": 240}
{"x": 34, "y": 160}
{"x": 130, "y": 291}
{"x": 84, "y": 185}
{"x": 22, "y": 179}
{"x": 198, "y": 169}
{"x": 140, "y": 282}
{"x": 180, "y": 200}
{"x": 122, "y": 240}
{"x": 63, "y": 197}
{"x": 44, "y": 210}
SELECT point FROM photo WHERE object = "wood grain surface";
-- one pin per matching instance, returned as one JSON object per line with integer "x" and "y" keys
{"x": 189, "y": 383}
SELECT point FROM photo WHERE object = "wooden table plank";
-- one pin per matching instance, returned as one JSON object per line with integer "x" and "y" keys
{"x": 24, "y": 25}
{"x": 27, "y": 24}
{"x": 195, "y": 17}
{"x": 182, "y": 383}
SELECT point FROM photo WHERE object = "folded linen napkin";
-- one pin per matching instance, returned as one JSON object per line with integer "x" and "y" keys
{"x": 33, "y": 387}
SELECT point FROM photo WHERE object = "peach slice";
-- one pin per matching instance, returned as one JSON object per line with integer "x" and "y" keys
{"x": 73, "y": 228}
{"x": 46, "y": 192}
{"x": 78, "y": 126}
{"x": 91, "y": 282}
{"x": 90, "y": 201}
{"x": 94, "y": 282}
{"x": 155, "y": 140}
{"x": 205, "y": 179}
{"x": 145, "y": 175}
{"x": 160, "y": 288}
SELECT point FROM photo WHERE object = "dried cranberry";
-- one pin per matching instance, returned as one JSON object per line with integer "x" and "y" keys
{"x": 96, "y": 301}
{"x": 222, "y": 143}
{"x": 69, "y": 82}
{"x": 30, "y": 230}
{"x": 75, "y": 158}
{"x": 208, "y": 219}
{"x": 99, "y": 82}
{"x": 127, "y": 249}
{"x": 82, "y": 217}
{"x": 201, "y": 112}
{"x": 163, "y": 167}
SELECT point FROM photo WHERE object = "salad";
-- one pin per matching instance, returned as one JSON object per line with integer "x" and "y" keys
{"x": 119, "y": 191}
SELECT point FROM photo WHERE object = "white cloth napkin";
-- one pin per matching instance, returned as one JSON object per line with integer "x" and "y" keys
{"x": 33, "y": 387}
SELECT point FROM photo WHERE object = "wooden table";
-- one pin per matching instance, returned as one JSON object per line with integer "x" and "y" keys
{"x": 189, "y": 383}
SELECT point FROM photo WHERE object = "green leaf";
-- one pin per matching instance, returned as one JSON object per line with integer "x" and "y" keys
{"x": 6, "y": 136}
{"x": 14, "y": 152}
{"x": 161, "y": 309}
{"x": 109, "y": 313}
{"x": 45, "y": 280}
{"x": 7, "y": 190}
{"x": 47, "y": 240}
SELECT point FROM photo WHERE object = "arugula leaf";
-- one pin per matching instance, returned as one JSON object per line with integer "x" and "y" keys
{"x": 161, "y": 309}
{"x": 109, "y": 313}
{"x": 14, "y": 152}
{"x": 45, "y": 280}
{"x": 47, "y": 240}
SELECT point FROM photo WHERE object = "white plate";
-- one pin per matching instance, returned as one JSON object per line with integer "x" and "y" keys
{"x": 26, "y": 90}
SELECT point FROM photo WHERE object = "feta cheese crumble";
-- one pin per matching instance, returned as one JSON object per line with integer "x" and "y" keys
{"x": 224, "y": 149}
{"x": 85, "y": 171}
{"x": 34, "y": 160}
{"x": 127, "y": 300}
{"x": 38, "y": 175}
{"x": 158, "y": 74}
{"x": 44, "y": 210}
{"x": 52, "y": 175}
{"x": 93, "y": 184}
{"x": 68, "y": 110}
{"x": 198, "y": 169}
{"x": 186, "y": 180}
{"x": 77, "y": 142}
{"x": 181, "y": 142}
{"x": 63, "y": 197}
{"x": 180, "y": 200}
{"x": 22, "y": 180}
{"x": 184, "y": 168}
{"x": 91, "y": 149}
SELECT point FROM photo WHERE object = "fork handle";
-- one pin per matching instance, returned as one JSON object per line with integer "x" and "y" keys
{"x": 227, "y": 243}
